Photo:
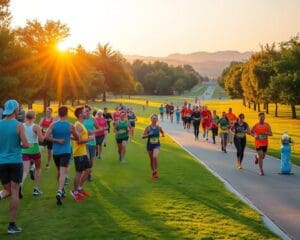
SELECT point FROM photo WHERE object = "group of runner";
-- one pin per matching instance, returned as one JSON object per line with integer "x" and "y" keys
{"x": 21, "y": 142}
{"x": 230, "y": 128}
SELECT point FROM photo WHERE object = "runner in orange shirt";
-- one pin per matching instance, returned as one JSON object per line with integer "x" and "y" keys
{"x": 232, "y": 119}
{"x": 261, "y": 131}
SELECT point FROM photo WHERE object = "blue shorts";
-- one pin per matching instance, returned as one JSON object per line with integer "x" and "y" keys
{"x": 91, "y": 150}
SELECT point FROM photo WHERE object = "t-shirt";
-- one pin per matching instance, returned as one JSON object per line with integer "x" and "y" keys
{"x": 260, "y": 130}
{"x": 171, "y": 109}
{"x": 215, "y": 121}
{"x": 231, "y": 117}
{"x": 224, "y": 123}
{"x": 79, "y": 149}
{"x": 240, "y": 130}
{"x": 90, "y": 126}
{"x": 196, "y": 116}
{"x": 161, "y": 110}
{"x": 61, "y": 130}
{"x": 122, "y": 126}
{"x": 102, "y": 124}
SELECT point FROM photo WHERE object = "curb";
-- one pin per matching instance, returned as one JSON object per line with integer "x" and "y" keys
{"x": 266, "y": 220}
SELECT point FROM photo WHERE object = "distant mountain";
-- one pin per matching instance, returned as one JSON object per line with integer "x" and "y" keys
{"x": 207, "y": 64}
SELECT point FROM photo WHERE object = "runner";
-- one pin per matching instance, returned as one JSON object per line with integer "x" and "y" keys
{"x": 116, "y": 115}
{"x": 177, "y": 114}
{"x": 214, "y": 126}
{"x": 171, "y": 111}
{"x": 59, "y": 133}
{"x": 240, "y": 129}
{"x": 232, "y": 119}
{"x": 21, "y": 114}
{"x": 152, "y": 133}
{"x": 34, "y": 135}
{"x": 108, "y": 118}
{"x": 132, "y": 119}
{"x": 45, "y": 122}
{"x": 183, "y": 116}
{"x": 80, "y": 153}
{"x": 121, "y": 129}
{"x": 206, "y": 121}
{"x": 261, "y": 131}
{"x": 100, "y": 134}
{"x": 91, "y": 125}
{"x": 188, "y": 116}
{"x": 161, "y": 112}
{"x": 196, "y": 118}
{"x": 224, "y": 126}
{"x": 167, "y": 110}
{"x": 11, "y": 165}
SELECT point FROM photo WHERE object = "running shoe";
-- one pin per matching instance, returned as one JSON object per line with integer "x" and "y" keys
{"x": 37, "y": 192}
{"x": 76, "y": 196}
{"x": 83, "y": 193}
{"x": 13, "y": 229}
{"x": 31, "y": 171}
{"x": 155, "y": 175}
{"x": 63, "y": 193}
{"x": 58, "y": 198}
{"x": 20, "y": 192}
{"x": 225, "y": 150}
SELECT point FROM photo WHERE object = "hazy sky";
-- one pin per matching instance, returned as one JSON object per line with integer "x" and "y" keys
{"x": 161, "y": 27}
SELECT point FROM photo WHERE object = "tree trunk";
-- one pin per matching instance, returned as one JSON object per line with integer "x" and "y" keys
{"x": 258, "y": 107}
{"x": 276, "y": 109}
{"x": 45, "y": 102}
{"x": 254, "y": 106}
{"x": 104, "y": 97}
{"x": 267, "y": 107}
{"x": 72, "y": 102}
{"x": 30, "y": 105}
{"x": 294, "y": 115}
{"x": 244, "y": 102}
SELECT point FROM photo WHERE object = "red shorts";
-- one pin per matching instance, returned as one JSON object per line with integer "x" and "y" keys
{"x": 206, "y": 125}
{"x": 28, "y": 157}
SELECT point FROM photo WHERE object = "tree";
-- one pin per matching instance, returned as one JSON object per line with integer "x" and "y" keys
{"x": 5, "y": 16}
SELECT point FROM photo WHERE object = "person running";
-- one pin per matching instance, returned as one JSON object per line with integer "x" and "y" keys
{"x": 80, "y": 154}
{"x": 171, "y": 111}
{"x": 188, "y": 116}
{"x": 177, "y": 114}
{"x": 11, "y": 165}
{"x": 21, "y": 114}
{"x": 100, "y": 134}
{"x": 196, "y": 118}
{"x": 232, "y": 119}
{"x": 261, "y": 131}
{"x": 108, "y": 117}
{"x": 60, "y": 133}
{"x": 116, "y": 115}
{"x": 132, "y": 119}
{"x": 161, "y": 112}
{"x": 167, "y": 110}
{"x": 91, "y": 125}
{"x": 183, "y": 116}
{"x": 34, "y": 136}
{"x": 206, "y": 121}
{"x": 121, "y": 129}
{"x": 214, "y": 125}
{"x": 224, "y": 126}
{"x": 152, "y": 133}
{"x": 45, "y": 122}
{"x": 240, "y": 129}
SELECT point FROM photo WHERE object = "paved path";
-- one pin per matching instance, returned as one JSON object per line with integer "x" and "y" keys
{"x": 208, "y": 92}
{"x": 276, "y": 195}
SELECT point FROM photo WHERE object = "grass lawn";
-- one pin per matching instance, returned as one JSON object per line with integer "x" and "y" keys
{"x": 198, "y": 91}
{"x": 219, "y": 93}
{"x": 186, "y": 202}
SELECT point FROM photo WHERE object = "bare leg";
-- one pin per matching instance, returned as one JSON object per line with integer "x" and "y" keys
{"x": 14, "y": 203}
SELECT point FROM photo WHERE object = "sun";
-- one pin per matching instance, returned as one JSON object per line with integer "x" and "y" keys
{"x": 62, "y": 46}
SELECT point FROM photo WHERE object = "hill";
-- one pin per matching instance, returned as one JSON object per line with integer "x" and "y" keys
{"x": 206, "y": 63}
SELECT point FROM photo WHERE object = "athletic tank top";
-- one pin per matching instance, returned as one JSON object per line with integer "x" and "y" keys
{"x": 61, "y": 130}
{"x": 32, "y": 139}
{"x": 123, "y": 127}
{"x": 153, "y": 135}
{"x": 45, "y": 124}
{"x": 89, "y": 125}
{"x": 79, "y": 149}
{"x": 10, "y": 148}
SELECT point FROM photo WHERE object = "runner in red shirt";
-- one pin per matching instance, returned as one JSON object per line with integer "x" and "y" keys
{"x": 206, "y": 121}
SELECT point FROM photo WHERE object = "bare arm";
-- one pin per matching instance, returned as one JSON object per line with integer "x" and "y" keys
{"x": 21, "y": 132}
{"x": 78, "y": 129}
{"x": 145, "y": 133}
{"x": 38, "y": 132}
{"x": 162, "y": 132}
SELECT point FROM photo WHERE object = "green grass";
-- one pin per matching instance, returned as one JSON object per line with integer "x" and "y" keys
{"x": 219, "y": 93}
{"x": 198, "y": 90}
{"x": 187, "y": 202}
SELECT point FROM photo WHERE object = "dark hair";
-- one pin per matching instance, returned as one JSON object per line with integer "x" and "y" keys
{"x": 242, "y": 115}
{"x": 87, "y": 106}
{"x": 94, "y": 113}
{"x": 63, "y": 111}
{"x": 78, "y": 111}
{"x": 261, "y": 113}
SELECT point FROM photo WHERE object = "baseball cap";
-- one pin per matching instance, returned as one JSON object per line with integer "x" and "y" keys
{"x": 10, "y": 106}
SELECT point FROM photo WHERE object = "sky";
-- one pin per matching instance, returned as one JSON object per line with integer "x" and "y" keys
{"x": 163, "y": 27}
